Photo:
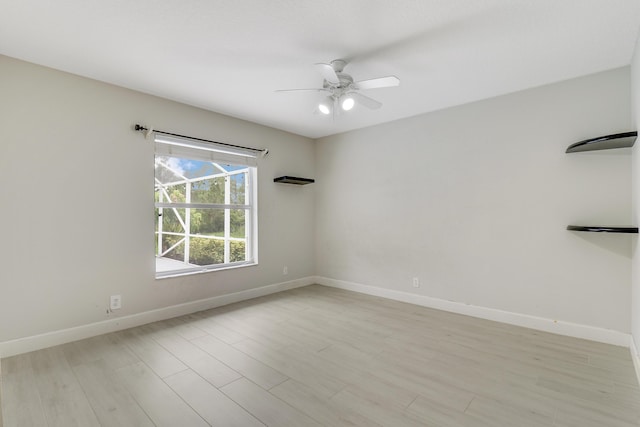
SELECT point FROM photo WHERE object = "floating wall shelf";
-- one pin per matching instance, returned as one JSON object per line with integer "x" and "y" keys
{"x": 607, "y": 142}
{"x": 294, "y": 180}
{"x": 600, "y": 229}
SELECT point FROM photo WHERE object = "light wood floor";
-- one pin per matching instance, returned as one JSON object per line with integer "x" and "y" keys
{"x": 320, "y": 356}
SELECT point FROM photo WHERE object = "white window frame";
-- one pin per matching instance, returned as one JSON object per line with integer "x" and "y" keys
{"x": 193, "y": 150}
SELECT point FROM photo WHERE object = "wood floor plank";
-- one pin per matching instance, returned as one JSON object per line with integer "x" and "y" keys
{"x": 353, "y": 368}
{"x": 157, "y": 399}
{"x": 266, "y": 407}
{"x": 296, "y": 366}
{"x": 206, "y": 322}
{"x": 577, "y": 413}
{"x": 627, "y": 395}
{"x": 497, "y": 413}
{"x": 384, "y": 413}
{"x": 21, "y": 405}
{"x": 441, "y": 385}
{"x": 567, "y": 384}
{"x": 333, "y": 329}
{"x": 257, "y": 330}
{"x": 110, "y": 400}
{"x": 432, "y": 413}
{"x": 263, "y": 375}
{"x": 318, "y": 407}
{"x": 180, "y": 326}
{"x": 151, "y": 353}
{"x": 302, "y": 337}
{"x": 108, "y": 348}
{"x": 207, "y": 366}
{"x": 212, "y": 405}
{"x": 63, "y": 400}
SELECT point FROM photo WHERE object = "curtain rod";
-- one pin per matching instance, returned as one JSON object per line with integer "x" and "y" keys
{"x": 140, "y": 128}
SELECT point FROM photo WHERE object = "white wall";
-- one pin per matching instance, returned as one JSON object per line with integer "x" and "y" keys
{"x": 77, "y": 201}
{"x": 635, "y": 282}
{"x": 474, "y": 200}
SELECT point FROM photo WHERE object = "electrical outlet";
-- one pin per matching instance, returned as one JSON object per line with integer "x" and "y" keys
{"x": 116, "y": 302}
{"x": 285, "y": 270}
{"x": 416, "y": 282}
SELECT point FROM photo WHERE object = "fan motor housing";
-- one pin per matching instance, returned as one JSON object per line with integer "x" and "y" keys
{"x": 338, "y": 65}
{"x": 346, "y": 82}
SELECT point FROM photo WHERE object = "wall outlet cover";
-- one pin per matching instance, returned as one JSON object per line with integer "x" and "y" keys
{"x": 115, "y": 302}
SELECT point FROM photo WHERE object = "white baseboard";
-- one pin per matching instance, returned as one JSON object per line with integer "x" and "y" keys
{"x": 50, "y": 339}
{"x": 635, "y": 357}
{"x": 575, "y": 330}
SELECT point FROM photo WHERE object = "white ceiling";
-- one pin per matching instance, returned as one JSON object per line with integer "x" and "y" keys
{"x": 230, "y": 56}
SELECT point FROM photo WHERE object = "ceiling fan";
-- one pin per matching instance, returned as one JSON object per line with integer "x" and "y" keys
{"x": 343, "y": 92}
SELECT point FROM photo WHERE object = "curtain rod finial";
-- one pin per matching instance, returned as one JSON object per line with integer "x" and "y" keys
{"x": 139, "y": 128}
{"x": 265, "y": 152}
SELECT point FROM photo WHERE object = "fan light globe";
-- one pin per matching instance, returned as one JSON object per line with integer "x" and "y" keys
{"x": 347, "y": 103}
{"x": 325, "y": 105}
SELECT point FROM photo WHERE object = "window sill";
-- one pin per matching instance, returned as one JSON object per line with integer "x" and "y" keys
{"x": 178, "y": 273}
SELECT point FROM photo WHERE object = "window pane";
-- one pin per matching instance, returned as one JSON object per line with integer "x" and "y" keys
{"x": 237, "y": 189}
{"x": 172, "y": 169}
{"x": 238, "y": 251}
{"x": 203, "y": 251}
{"x": 194, "y": 169}
{"x": 176, "y": 253}
{"x": 238, "y": 223}
{"x": 172, "y": 220}
{"x": 209, "y": 222}
{"x": 171, "y": 193}
{"x": 208, "y": 191}
{"x": 168, "y": 170}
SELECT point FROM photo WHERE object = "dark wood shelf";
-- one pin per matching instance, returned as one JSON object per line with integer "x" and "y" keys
{"x": 607, "y": 142}
{"x": 294, "y": 180}
{"x": 603, "y": 229}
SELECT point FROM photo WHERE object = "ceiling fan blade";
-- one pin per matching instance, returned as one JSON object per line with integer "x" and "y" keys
{"x": 387, "y": 81}
{"x": 328, "y": 73}
{"x": 365, "y": 100}
{"x": 304, "y": 90}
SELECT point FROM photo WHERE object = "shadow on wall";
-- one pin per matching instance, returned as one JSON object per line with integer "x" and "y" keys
{"x": 619, "y": 244}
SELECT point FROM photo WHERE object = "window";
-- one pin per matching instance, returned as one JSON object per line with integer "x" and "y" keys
{"x": 205, "y": 209}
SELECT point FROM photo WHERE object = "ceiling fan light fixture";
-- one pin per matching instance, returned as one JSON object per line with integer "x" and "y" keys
{"x": 326, "y": 105}
{"x": 343, "y": 91}
{"x": 347, "y": 102}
